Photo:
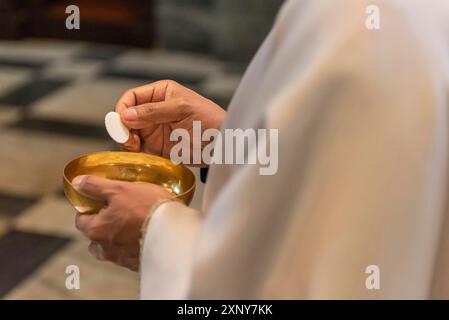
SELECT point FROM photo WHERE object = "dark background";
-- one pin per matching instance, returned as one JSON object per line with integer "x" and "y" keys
{"x": 231, "y": 29}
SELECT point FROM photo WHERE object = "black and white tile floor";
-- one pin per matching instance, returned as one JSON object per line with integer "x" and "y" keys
{"x": 53, "y": 98}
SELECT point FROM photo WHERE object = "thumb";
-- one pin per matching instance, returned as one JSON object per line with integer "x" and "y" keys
{"x": 94, "y": 187}
{"x": 153, "y": 113}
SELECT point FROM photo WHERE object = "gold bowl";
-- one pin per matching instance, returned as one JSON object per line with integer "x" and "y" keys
{"x": 127, "y": 166}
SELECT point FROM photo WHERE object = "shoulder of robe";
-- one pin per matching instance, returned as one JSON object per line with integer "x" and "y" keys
{"x": 325, "y": 46}
{"x": 337, "y": 34}
{"x": 334, "y": 19}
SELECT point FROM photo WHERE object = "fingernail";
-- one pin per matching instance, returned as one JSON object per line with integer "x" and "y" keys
{"x": 78, "y": 182}
{"x": 130, "y": 114}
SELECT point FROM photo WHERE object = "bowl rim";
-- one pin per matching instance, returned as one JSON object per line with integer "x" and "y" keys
{"x": 127, "y": 153}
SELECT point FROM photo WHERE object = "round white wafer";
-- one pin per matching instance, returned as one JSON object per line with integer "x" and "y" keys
{"x": 115, "y": 127}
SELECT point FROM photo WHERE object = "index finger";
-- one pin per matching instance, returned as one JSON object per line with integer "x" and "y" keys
{"x": 83, "y": 222}
{"x": 153, "y": 92}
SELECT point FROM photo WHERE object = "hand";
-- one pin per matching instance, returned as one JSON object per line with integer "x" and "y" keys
{"x": 155, "y": 110}
{"x": 115, "y": 231}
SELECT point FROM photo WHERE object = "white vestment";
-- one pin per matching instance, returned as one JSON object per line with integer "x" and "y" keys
{"x": 363, "y": 157}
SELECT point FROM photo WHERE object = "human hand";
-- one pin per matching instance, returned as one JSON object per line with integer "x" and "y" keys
{"x": 153, "y": 111}
{"x": 115, "y": 231}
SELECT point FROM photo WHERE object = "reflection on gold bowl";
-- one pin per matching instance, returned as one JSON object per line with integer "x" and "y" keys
{"x": 126, "y": 166}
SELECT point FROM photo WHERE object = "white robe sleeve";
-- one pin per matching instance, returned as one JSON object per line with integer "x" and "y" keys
{"x": 167, "y": 251}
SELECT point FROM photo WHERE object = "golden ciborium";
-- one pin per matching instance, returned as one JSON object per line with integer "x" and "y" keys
{"x": 127, "y": 166}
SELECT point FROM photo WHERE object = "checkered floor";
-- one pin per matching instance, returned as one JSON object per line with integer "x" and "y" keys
{"x": 53, "y": 98}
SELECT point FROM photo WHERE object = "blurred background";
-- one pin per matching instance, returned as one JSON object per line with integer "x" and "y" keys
{"x": 56, "y": 85}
